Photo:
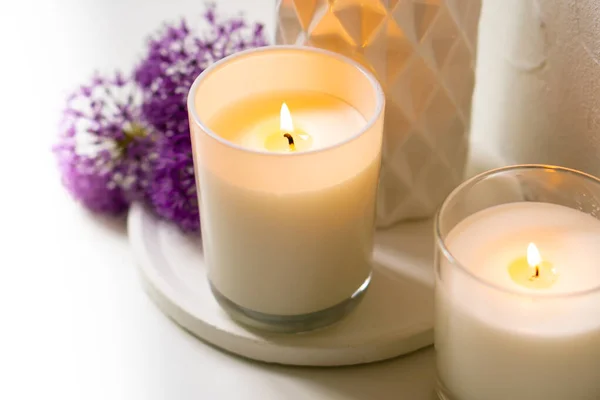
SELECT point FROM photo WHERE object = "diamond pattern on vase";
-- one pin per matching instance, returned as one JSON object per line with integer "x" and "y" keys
{"x": 394, "y": 139}
{"x": 289, "y": 29}
{"x": 403, "y": 16}
{"x": 400, "y": 168}
{"x": 458, "y": 77}
{"x": 440, "y": 112}
{"x": 446, "y": 129}
{"x": 424, "y": 12}
{"x": 329, "y": 33}
{"x": 471, "y": 24}
{"x": 414, "y": 87}
{"x": 398, "y": 51}
{"x": 459, "y": 8}
{"x": 455, "y": 145}
{"x": 441, "y": 37}
{"x": 390, "y": 206}
{"x": 370, "y": 54}
{"x": 307, "y": 10}
{"x": 426, "y": 192}
{"x": 360, "y": 19}
{"x": 416, "y": 16}
{"x": 390, "y": 4}
{"x": 419, "y": 145}
{"x": 422, "y": 52}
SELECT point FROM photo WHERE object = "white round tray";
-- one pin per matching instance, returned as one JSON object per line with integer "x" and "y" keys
{"x": 395, "y": 317}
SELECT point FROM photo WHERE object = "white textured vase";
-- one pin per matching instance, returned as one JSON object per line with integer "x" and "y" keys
{"x": 537, "y": 98}
{"x": 422, "y": 52}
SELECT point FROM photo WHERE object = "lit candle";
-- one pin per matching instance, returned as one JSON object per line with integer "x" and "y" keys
{"x": 531, "y": 271}
{"x": 288, "y": 139}
{"x": 518, "y": 305}
{"x": 265, "y": 123}
{"x": 287, "y": 148}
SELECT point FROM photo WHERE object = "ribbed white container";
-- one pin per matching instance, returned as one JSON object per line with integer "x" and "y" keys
{"x": 538, "y": 81}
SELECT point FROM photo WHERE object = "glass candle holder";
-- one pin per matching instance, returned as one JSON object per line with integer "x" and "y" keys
{"x": 287, "y": 147}
{"x": 517, "y": 297}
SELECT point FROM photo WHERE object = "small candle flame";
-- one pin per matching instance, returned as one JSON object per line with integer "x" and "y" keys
{"x": 285, "y": 119}
{"x": 534, "y": 257}
{"x": 532, "y": 271}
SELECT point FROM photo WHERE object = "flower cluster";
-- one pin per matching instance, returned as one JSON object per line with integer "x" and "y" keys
{"x": 127, "y": 139}
{"x": 105, "y": 150}
{"x": 175, "y": 58}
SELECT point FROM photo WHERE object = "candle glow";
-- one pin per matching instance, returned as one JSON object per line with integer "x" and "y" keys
{"x": 534, "y": 259}
{"x": 533, "y": 255}
{"x": 531, "y": 271}
{"x": 287, "y": 138}
{"x": 285, "y": 119}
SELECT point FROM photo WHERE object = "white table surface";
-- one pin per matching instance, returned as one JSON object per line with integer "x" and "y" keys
{"x": 75, "y": 323}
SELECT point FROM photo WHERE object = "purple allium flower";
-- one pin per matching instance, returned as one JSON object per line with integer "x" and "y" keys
{"x": 104, "y": 150}
{"x": 176, "y": 56}
{"x": 173, "y": 188}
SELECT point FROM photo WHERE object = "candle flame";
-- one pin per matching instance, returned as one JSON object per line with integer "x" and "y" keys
{"x": 285, "y": 119}
{"x": 534, "y": 257}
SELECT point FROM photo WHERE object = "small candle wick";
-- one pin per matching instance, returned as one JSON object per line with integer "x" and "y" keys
{"x": 290, "y": 140}
{"x": 536, "y": 274}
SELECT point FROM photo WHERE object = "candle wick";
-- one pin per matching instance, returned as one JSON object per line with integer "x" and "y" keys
{"x": 290, "y": 140}
{"x": 537, "y": 271}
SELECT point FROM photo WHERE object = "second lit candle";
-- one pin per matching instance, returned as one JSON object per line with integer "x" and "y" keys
{"x": 517, "y": 290}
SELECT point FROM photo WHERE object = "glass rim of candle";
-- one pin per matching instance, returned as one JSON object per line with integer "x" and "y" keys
{"x": 440, "y": 241}
{"x": 371, "y": 120}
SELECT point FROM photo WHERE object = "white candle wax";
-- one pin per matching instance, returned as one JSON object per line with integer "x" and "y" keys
{"x": 294, "y": 244}
{"x": 497, "y": 338}
{"x": 326, "y": 119}
{"x": 287, "y": 200}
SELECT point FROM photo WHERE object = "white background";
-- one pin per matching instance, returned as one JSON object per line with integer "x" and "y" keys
{"x": 74, "y": 322}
